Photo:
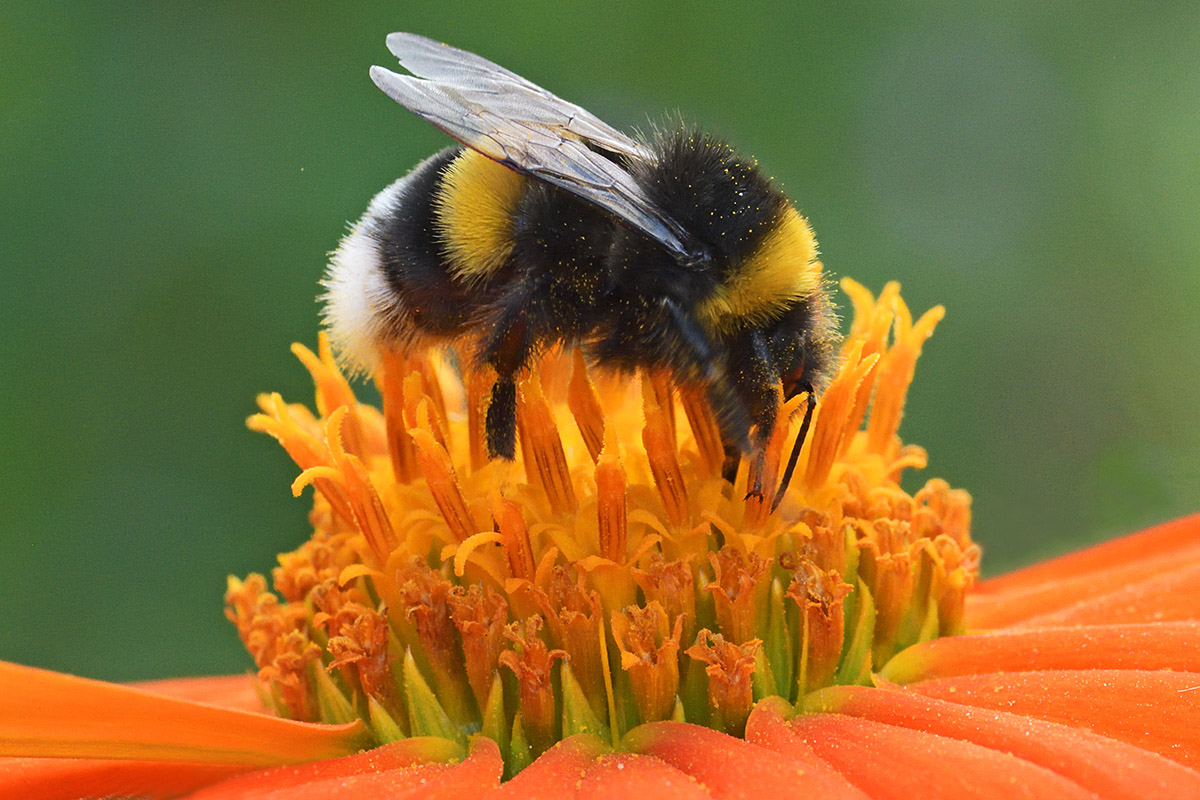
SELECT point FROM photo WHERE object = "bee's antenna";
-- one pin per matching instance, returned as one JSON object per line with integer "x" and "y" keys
{"x": 797, "y": 446}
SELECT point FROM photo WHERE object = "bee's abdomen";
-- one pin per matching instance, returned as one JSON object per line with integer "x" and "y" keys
{"x": 390, "y": 282}
{"x": 414, "y": 260}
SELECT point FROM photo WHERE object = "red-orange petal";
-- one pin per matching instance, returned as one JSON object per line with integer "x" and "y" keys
{"x": 48, "y": 714}
{"x": 1165, "y": 645}
{"x": 413, "y": 767}
{"x": 1172, "y": 596}
{"x": 1157, "y": 711}
{"x": 1112, "y": 567}
{"x": 1175, "y": 538}
{"x": 556, "y": 773}
{"x": 893, "y": 763}
{"x": 729, "y": 768}
{"x": 767, "y": 727}
{"x": 227, "y": 691}
{"x": 1111, "y": 768}
{"x": 72, "y": 778}
{"x": 630, "y": 775}
{"x": 1152, "y": 590}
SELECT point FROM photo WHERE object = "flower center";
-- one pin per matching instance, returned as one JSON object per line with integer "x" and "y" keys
{"x": 611, "y": 575}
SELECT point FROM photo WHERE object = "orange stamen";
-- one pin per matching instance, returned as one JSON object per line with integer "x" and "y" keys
{"x": 541, "y": 446}
{"x": 531, "y": 662}
{"x": 730, "y": 666}
{"x": 649, "y": 648}
{"x": 610, "y": 507}
{"x": 664, "y": 464}
{"x": 480, "y": 615}
{"x": 585, "y": 406}
{"x": 400, "y": 444}
{"x": 739, "y": 591}
{"x": 820, "y": 596}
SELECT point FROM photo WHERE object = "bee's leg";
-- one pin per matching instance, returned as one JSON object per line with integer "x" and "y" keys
{"x": 797, "y": 446}
{"x": 755, "y": 376}
{"x": 506, "y": 352}
{"x": 501, "y": 420}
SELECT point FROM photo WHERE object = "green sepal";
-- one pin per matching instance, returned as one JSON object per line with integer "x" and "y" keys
{"x": 855, "y": 667}
{"x": 520, "y": 754}
{"x": 426, "y": 717}
{"x": 577, "y": 713}
{"x": 678, "y": 714}
{"x": 853, "y": 556}
{"x": 850, "y": 603}
{"x": 495, "y": 724}
{"x": 706, "y": 607}
{"x": 332, "y": 705}
{"x": 776, "y": 705}
{"x": 268, "y": 699}
{"x": 778, "y": 645}
{"x": 694, "y": 692}
{"x": 763, "y": 680}
{"x": 383, "y": 725}
{"x": 434, "y": 749}
{"x": 931, "y": 626}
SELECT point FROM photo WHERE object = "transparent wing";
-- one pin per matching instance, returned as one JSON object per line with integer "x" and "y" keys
{"x": 524, "y": 127}
{"x": 505, "y": 93}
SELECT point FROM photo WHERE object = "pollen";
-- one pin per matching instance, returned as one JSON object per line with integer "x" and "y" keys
{"x": 612, "y": 574}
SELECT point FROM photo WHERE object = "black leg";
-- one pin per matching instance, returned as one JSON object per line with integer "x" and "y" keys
{"x": 501, "y": 420}
{"x": 755, "y": 379}
{"x": 506, "y": 351}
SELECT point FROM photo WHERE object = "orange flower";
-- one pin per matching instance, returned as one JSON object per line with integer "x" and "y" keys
{"x": 611, "y": 614}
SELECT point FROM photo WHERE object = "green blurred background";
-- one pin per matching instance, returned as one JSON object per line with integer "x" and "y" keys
{"x": 172, "y": 179}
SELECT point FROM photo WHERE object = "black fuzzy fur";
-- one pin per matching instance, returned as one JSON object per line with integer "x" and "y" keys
{"x": 577, "y": 276}
{"x": 414, "y": 264}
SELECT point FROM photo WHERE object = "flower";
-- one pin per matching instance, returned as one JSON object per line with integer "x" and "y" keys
{"x": 622, "y": 610}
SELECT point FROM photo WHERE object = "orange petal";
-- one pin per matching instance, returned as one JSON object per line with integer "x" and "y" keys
{"x": 632, "y": 775}
{"x": 887, "y": 762}
{"x": 731, "y": 769}
{"x": 51, "y": 714}
{"x": 1165, "y": 598}
{"x": 1157, "y": 711}
{"x": 1110, "y": 768}
{"x": 768, "y": 728}
{"x": 1094, "y": 572}
{"x": 1170, "y": 538}
{"x": 227, "y": 691}
{"x": 556, "y": 773}
{"x": 71, "y": 778}
{"x": 1164, "y": 645}
{"x": 1151, "y": 590}
{"x": 400, "y": 769}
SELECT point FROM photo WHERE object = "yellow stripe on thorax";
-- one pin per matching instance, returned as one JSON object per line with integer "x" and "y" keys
{"x": 780, "y": 272}
{"x": 473, "y": 211}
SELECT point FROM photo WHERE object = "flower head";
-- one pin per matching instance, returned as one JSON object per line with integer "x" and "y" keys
{"x": 618, "y": 610}
{"x": 616, "y": 542}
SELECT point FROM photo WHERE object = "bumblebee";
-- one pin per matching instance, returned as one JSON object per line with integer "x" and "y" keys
{"x": 547, "y": 226}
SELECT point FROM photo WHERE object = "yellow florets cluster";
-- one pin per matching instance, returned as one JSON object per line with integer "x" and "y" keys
{"x": 610, "y": 575}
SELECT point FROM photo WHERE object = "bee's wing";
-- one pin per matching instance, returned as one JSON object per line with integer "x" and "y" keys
{"x": 471, "y": 74}
{"x": 524, "y": 127}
